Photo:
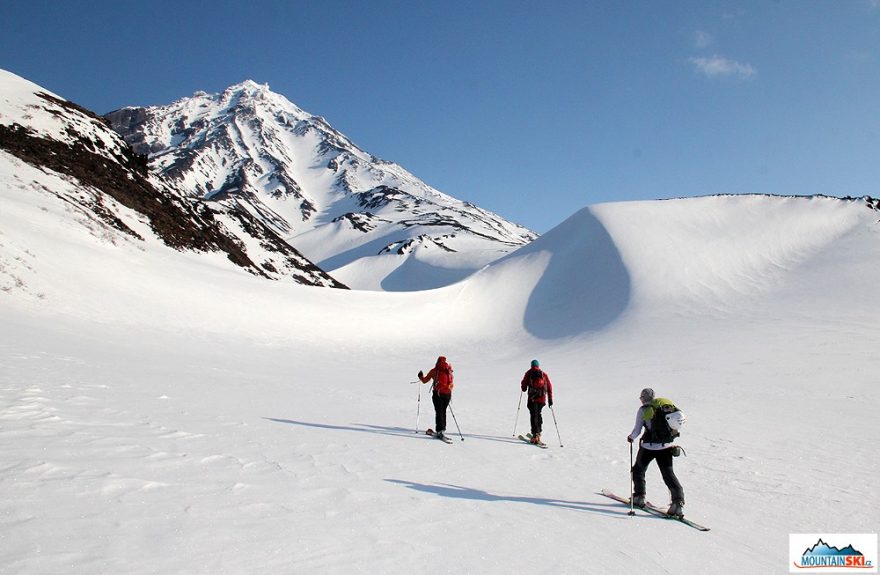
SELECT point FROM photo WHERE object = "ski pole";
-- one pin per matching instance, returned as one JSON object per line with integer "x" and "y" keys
{"x": 456, "y": 422}
{"x": 557, "y": 426}
{"x": 515, "y": 421}
{"x": 631, "y": 511}
{"x": 418, "y": 407}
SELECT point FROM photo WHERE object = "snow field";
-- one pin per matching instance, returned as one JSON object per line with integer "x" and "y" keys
{"x": 167, "y": 413}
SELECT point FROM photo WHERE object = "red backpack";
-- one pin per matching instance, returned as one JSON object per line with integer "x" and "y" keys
{"x": 537, "y": 385}
{"x": 443, "y": 377}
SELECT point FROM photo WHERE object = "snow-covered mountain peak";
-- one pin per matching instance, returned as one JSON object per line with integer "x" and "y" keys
{"x": 249, "y": 87}
{"x": 251, "y": 149}
{"x": 248, "y": 95}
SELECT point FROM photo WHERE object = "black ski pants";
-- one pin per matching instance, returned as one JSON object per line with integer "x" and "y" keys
{"x": 664, "y": 462}
{"x": 441, "y": 402}
{"x": 535, "y": 417}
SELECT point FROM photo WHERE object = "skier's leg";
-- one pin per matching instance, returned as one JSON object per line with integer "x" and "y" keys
{"x": 439, "y": 413}
{"x": 443, "y": 405}
{"x": 539, "y": 418}
{"x": 664, "y": 461}
{"x": 643, "y": 459}
{"x": 533, "y": 420}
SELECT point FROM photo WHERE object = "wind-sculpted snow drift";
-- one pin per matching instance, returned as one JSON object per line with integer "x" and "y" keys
{"x": 702, "y": 255}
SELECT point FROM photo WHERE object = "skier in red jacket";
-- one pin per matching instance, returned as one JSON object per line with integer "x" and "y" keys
{"x": 537, "y": 383}
{"x": 441, "y": 392}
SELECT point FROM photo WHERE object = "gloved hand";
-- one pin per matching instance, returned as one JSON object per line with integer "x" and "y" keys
{"x": 551, "y": 403}
{"x": 629, "y": 439}
{"x": 421, "y": 374}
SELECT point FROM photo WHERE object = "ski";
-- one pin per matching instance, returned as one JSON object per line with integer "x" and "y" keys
{"x": 654, "y": 510}
{"x": 529, "y": 441}
{"x": 685, "y": 520}
{"x": 444, "y": 439}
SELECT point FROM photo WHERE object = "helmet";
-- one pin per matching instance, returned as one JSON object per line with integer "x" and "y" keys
{"x": 675, "y": 420}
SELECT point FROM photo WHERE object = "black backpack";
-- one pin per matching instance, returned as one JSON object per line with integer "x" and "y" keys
{"x": 657, "y": 415}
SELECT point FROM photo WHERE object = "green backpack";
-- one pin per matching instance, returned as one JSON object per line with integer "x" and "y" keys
{"x": 663, "y": 419}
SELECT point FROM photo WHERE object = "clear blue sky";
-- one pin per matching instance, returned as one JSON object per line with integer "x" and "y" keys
{"x": 530, "y": 109}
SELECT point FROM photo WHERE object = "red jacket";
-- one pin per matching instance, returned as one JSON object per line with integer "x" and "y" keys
{"x": 539, "y": 395}
{"x": 441, "y": 374}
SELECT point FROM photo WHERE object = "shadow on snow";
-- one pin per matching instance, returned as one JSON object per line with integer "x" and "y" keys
{"x": 585, "y": 287}
{"x": 458, "y": 492}
{"x": 385, "y": 430}
{"x": 364, "y": 428}
{"x": 455, "y": 491}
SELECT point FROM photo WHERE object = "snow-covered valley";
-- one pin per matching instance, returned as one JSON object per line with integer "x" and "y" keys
{"x": 164, "y": 411}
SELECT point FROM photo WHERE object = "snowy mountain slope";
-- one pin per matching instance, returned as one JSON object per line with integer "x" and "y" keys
{"x": 251, "y": 150}
{"x": 262, "y": 423}
{"x": 108, "y": 188}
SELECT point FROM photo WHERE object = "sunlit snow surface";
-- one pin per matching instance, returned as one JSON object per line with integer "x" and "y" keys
{"x": 166, "y": 412}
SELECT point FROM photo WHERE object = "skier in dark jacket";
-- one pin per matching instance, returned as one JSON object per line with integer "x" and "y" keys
{"x": 654, "y": 444}
{"x": 441, "y": 392}
{"x": 537, "y": 383}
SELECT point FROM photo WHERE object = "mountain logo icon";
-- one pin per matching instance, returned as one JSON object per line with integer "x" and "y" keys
{"x": 835, "y": 554}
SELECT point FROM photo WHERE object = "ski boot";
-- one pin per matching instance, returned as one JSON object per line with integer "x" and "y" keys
{"x": 676, "y": 509}
{"x": 638, "y": 500}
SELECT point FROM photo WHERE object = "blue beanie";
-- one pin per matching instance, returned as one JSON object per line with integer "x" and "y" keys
{"x": 535, "y": 363}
